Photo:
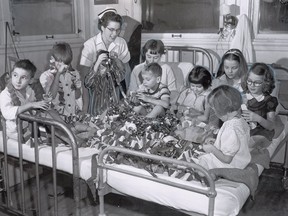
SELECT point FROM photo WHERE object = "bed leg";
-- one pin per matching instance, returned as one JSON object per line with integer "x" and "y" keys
{"x": 285, "y": 167}
{"x": 101, "y": 205}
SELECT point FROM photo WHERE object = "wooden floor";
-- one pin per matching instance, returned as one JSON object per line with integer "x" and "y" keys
{"x": 270, "y": 200}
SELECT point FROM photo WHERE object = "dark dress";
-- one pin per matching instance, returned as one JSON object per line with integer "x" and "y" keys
{"x": 103, "y": 89}
{"x": 269, "y": 104}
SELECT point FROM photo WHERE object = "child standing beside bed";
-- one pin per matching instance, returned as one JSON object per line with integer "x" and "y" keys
{"x": 261, "y": 106}
{"x": 103, "y": 82}
{"x": 62, "y": 81}
{"x": 230, "y": 148}
{"x": 153, "y": 96}
{"x": 18, "y": 96}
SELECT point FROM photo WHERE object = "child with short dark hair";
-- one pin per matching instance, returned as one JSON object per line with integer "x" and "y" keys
{"x": 18, "y": 97}
{"x": 152, "y": 52}
{"x": 103, "y": 83}
{"x": 230, "y": 149}
{"x": 62, "y": 81}
{"x": 154, "y": 97}
{"x": 261, "y": 106}
{"x": 192, "y": 102}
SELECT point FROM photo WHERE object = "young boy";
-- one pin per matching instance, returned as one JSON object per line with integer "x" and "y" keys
{"x": 153, "y": 96}
{"x": 62, "y": 81}
{"x": 18, "y": 97}
{"x": 152, "y": 51}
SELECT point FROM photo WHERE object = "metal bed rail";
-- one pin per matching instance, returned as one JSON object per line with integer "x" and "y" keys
{"x": 35, "y": 121}
{"x": 195, "y": 55}
{"x": 282, "y": 76}
{"x": 210, "y": 191}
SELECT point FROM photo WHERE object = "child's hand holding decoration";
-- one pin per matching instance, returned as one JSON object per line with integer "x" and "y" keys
{"x": 102, "y": 58}
{"x": 250, "y": 117}
{"x": 44, "y": 105}
{"x": 48, "y": 98}
{"x": 143, "y": 97}
{"x": 209, "y": 140}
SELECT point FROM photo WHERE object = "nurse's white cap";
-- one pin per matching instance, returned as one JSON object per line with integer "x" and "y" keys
{"x": 100, "y": 15}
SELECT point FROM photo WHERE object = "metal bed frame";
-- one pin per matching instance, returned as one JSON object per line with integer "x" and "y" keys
{"x": 193, "y": 55}
{"x": 103, "y": 188}
{"x": 53, "y": 125}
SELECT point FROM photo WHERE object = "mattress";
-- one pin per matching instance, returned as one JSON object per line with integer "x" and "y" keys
{"x": 63, "y": 156}
{"x": 230, "y": 198}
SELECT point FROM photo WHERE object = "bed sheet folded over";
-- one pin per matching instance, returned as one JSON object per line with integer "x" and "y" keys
{"x": 63, "y": 155}
{"x": 229, "y": 200}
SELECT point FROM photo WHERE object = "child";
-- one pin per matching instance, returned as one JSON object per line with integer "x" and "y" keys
{"x": 63, "y": 81}
{"x": 258, "y": 85}
{"x": 154, "y": 97}
{"x": 230, "y": 149}
{"x": 152, "y": 51}
{"x": 232, "y": 69}
{"x": 102, "y": 81}
{"x": 192, "y": 101}
{"x": 18, "y": 97}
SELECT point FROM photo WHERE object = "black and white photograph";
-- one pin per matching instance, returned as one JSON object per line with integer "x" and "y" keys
{"x": 143, "y": 107}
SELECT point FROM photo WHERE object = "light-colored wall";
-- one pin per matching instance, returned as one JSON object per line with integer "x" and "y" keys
{"x": 38, "y": 52}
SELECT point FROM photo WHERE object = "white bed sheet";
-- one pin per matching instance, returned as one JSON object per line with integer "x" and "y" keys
{"x": 63, "y": 155}
{"x": 230, "y": 198}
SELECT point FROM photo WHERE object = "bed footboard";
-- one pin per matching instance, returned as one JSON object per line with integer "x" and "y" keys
{"x": 53, "y": 125}
{"x": 210, "y": 191}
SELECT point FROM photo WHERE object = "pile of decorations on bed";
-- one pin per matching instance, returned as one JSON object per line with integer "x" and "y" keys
{"x": 162, "y": 136}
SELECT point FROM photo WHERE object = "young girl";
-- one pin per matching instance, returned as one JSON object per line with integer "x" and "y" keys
{"x": 102, "y": 81}
{"x": 18, "y": 97}
{"x": 154, "y": 96}
{"x": 63, "y": 81}
{"x": 152, "y": 52}
{"x": 258, "y": 85}
{"x": 230, "y": 149}
{"x": 192, "y": 101}
{"x": 232, "y": 70}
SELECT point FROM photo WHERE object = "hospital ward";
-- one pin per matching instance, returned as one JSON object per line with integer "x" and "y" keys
{"x": 144, "y": 107}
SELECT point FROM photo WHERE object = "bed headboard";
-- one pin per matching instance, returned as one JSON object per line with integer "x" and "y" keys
{"x": 195, "y": 55}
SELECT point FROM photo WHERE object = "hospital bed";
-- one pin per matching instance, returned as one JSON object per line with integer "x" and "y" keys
{"x": 190, "y": 197}
{"x": 222, "y": 197}
{"x": 68, "y": 159}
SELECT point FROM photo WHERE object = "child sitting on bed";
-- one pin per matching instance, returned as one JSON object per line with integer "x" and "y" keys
{"x": 153, "y": 96}
{"x": 261, "y": 106}
{"x": 152, "y": 52}
{"x": 18, "y": 96}
{"x": 192, "y": 102}
{"x": 232, "y": 69}
{"x": 230, "y": 148}
{"x": 63, "y": 81}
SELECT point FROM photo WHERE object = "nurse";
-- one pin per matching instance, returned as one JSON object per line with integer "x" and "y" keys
{"x": 109, "y": 23}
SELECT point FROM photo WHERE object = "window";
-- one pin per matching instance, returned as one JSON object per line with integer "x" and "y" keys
{"x": 273, "y": 16}
{"x": 33, "y": 20}
{"x": 181, "y": 16}
{"x": 43, "y": 17}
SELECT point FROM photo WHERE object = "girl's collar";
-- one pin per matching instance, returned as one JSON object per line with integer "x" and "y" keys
{"x": 258, "y": 97}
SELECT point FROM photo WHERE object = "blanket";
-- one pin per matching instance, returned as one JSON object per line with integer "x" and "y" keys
{"x": 248, "y": 176}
